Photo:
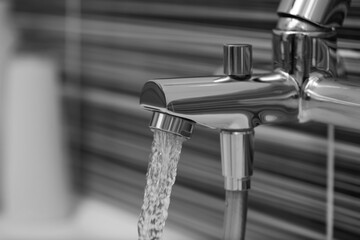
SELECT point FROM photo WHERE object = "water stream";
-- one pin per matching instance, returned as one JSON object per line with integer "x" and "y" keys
{"x": 161, "y": 174}
{"x": 330, "y": 183}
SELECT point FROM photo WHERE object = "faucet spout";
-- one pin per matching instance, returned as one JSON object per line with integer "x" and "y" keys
{"x": 235, "y": 101}
{"x": 223, "y": 102}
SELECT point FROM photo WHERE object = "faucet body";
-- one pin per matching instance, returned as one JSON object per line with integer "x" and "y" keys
{"x": 304, "y": 86}
{"x": 223, "y": 102}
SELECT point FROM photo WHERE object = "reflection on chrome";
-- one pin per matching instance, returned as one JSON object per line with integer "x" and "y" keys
{"x": 325, "y": 13}
{"x": 303, "y": 87}
{"x": 225, "y": 103}
{"x": 331, "y": 100}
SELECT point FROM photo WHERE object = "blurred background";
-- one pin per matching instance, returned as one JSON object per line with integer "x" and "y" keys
{"x": 75, "y": 143}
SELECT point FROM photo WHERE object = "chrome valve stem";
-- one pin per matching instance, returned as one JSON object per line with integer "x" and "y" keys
{"x": 238, "y": 60}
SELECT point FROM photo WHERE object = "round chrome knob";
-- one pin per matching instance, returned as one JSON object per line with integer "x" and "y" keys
{"x": 237, "y": 59}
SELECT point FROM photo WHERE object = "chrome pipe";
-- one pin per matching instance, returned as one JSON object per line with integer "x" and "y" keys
{"x": 330, "y": 100}
{"x": 237, "y": 153}
{"x": 236, "y": 204}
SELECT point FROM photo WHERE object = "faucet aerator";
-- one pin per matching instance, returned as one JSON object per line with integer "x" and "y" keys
{"x": 175, "y": 125}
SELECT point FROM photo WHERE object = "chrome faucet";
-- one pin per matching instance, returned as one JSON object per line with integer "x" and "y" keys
{"x": 304, "y": 86}
{"x": 234, "y": 103}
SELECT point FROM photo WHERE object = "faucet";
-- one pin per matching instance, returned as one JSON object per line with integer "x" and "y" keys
{"x": 303, "y": 86}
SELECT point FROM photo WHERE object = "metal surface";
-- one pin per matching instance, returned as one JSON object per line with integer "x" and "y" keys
{"x": 238, "y": 60}
{"x": 324, "y": 13}
{"x": 171, "y": 124}
{"x": 299, "y": 52}
{"x": 303, "y": 87}
{"x": 224, "y": 103}
{"x": 297, "y": 25}
{"x": 331, "y": 100}
{"x": 235, "y": 212}
{"x": 308, "y": 53}
{"x": 237, "y": 153}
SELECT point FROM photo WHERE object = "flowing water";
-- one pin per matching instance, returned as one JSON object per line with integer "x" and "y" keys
{"x": 330, "y": 183}
{"x": 161, "y": 175}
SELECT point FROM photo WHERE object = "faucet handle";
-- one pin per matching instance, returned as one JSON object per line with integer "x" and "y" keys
{"x": 238, "y": 59}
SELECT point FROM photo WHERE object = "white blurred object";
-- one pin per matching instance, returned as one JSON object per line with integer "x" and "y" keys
{"x": 7, "y": 38}
{"x": 35, "y": 169}
{"x": 94, "y": 219}
{"x": 8, "y": 42}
